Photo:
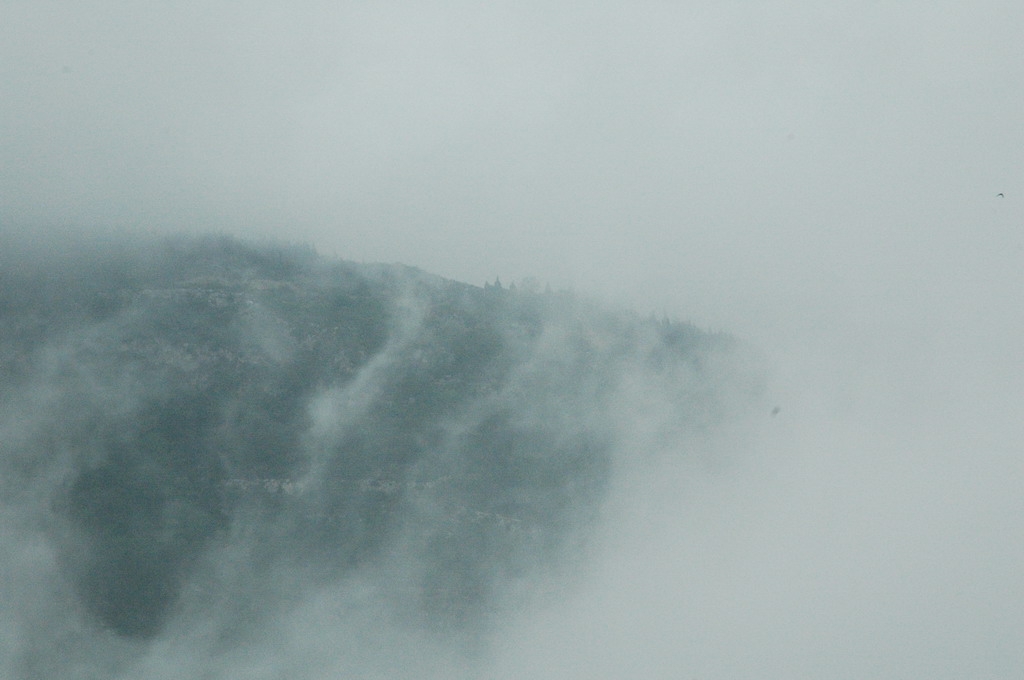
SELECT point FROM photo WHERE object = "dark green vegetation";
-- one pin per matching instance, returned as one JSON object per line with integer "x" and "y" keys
{"x": 204, "y": 430}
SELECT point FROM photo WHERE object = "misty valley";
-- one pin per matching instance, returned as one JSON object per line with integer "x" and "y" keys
{"x": 207, "y": 441}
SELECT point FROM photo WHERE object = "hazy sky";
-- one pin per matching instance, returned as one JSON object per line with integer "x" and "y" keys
{"x": 819, "y": 177}
{"x": 687, "y": 155}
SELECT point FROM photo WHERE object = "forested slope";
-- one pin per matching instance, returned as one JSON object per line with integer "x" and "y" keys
{"x": 202, "y": 431}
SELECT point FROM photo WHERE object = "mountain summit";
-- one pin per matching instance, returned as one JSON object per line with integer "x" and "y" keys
{"x": 204, "y": 432}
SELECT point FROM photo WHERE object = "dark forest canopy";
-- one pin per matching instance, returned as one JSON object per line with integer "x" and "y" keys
{"x": 166, "y": 404}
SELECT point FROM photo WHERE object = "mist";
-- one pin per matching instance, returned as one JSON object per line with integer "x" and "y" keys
{"x": 839, "y": 187}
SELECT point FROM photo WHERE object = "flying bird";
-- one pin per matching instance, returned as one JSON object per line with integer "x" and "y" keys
{"x": 999, "y": 195}
{"x": 775, "y": 411}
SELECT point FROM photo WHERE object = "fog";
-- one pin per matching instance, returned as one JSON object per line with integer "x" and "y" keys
{"x": 839, "y": 186}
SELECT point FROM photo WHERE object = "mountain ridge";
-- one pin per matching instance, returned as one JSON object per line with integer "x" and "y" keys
{"x": 204, "y": 397}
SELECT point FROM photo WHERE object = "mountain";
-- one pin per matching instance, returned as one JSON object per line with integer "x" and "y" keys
{"x": 198, "y": 433}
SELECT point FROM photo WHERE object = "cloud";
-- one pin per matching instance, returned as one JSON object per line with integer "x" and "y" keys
{"x": 819, "y": 181}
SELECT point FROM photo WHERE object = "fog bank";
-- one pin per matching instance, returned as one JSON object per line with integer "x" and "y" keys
{"x": 840, "y": 187}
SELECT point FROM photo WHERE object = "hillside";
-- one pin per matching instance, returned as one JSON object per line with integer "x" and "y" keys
{"x": 204, "y": 432}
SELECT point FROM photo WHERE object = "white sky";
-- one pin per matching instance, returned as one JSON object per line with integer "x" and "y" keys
{"x": 821, "y": 178}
